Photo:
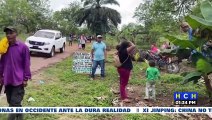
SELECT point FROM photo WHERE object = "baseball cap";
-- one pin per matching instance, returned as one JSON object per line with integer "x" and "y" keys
{"x": 99, "y": 36}
{"x": 10, "y": 28}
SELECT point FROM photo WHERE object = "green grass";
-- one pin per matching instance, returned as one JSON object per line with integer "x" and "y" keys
{"x": 65, "y": 88}
{"x": 144, "y": 117}
{"x": 68, "y": 84}
{"x": 175, "y": 82}
{"x": 62, "y": 87}
{"x": 171, "y": 78}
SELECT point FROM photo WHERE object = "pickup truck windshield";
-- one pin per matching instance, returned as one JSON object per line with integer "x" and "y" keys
{"x": 44, "y": 34}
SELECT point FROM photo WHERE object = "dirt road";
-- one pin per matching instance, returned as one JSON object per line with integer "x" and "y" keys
{"x": 39, "y": 61}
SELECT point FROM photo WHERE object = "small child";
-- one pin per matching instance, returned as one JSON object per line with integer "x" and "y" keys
{"x": 152, "y": 74}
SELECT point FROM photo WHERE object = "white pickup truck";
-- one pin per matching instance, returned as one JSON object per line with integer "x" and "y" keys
{"x": 46, "y": 41}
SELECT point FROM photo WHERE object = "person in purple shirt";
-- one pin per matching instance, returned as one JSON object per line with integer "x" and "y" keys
{"x": 15, "y": 71}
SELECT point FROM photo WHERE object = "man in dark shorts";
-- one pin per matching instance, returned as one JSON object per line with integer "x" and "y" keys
{"x": 15, "y": 71}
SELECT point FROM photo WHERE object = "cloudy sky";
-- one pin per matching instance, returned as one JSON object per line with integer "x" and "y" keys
{"x": 126, "y": 8}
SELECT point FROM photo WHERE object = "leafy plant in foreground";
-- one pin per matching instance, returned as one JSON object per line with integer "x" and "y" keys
{"x": 203, "y": 64}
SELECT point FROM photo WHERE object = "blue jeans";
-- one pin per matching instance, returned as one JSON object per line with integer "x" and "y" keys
{"x": 95, "y": 65}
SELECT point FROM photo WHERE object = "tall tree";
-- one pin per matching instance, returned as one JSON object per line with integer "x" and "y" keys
{"x": 65, "y": 18}
{"x": 27, "y": 13}
{"x": 161, "y": 16}
{"x": 42, "y": 14}
{"x": 151, "y": 14}
{"x": 97, "y": 17}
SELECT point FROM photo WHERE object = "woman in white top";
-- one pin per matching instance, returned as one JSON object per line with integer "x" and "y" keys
{"x": 83, "y": 41}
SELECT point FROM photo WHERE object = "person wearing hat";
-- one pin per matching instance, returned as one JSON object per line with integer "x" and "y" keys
{"x": 15, "y": 71}
{"x": 98, "y": 56}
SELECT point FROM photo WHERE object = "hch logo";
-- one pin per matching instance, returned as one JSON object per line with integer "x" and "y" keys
{"x": 185, "y": 96}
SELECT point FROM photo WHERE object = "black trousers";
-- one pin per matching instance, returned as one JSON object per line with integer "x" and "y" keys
{"x": 70, "y": 42}
{"x": 83, "y": 46}
{"x": 15, "y": 95}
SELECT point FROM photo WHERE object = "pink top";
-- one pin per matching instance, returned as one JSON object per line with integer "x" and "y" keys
{"x": 154, "y": 49}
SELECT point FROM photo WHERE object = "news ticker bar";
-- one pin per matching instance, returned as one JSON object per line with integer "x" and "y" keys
{"x": 102, "y": 110}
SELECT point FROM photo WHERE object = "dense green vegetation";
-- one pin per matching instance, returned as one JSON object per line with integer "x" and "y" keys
{"x": 202, "y": 62}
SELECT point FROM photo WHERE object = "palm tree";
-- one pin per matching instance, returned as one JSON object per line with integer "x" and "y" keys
{"x": 97, "y": 17}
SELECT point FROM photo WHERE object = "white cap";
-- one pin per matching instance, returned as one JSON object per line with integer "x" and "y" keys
{"x": 99, "y": 36}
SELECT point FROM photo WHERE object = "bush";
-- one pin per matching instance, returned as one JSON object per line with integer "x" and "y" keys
{"x": 110, "y": 42}
{"x": 171, "y": 78}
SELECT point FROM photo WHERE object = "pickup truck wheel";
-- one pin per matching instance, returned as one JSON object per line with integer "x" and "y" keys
{"x": 51, "y": 54}
{"x": 62, "y": 49}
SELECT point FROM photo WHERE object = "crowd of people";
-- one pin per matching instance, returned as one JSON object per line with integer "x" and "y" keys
{"x": 81, "y": 39}
{"x": 124, "y": 50}
{"x": 17, "y": 61}
{"x": 15, "y": 84}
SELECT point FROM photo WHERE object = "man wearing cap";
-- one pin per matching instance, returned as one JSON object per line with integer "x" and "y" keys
{"x": 98, "y": 55}
{"x": 15, "y": 71}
